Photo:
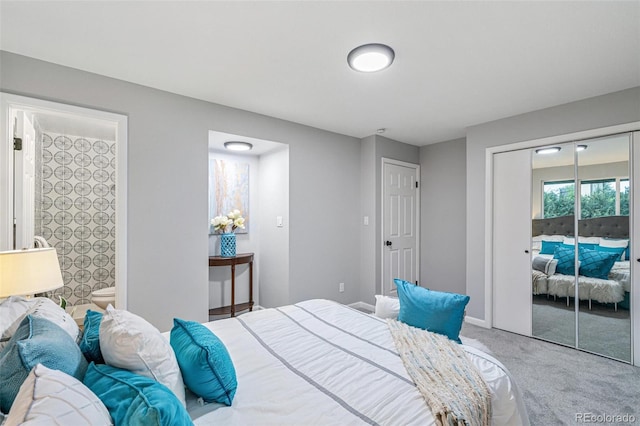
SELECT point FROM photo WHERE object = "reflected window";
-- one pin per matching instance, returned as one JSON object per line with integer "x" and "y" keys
{"x": 604, "y": 197}
{"x": 558, "y": 198}
{"x": 598, "y": 198}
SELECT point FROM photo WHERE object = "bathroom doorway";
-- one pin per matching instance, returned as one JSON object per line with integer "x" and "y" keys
{"x": 63, "y": 185}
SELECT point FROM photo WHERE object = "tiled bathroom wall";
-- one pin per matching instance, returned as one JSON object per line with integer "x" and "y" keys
{"x": 78, "y": 211}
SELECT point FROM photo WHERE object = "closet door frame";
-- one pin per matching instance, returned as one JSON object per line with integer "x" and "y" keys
{"x": 635, "y": 220}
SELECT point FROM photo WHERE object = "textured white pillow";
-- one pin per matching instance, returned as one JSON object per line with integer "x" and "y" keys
{"x": 53, "y": 397}
{"x": 128, "y": 341}
{"x": 12, "y": 310}
{"x": 571, "y": 241}
{"x": 41, "y": 307}
{"x": 387, "y": 307}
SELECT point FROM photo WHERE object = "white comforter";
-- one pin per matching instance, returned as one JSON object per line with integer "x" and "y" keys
{"x": 319, "y": 362}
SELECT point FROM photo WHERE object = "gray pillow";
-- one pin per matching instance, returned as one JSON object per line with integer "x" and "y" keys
{"x": 543, "y": 264}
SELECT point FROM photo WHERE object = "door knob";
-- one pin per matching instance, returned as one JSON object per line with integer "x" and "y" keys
{"x": 526, "y": 251}
{"x": 388, "y": 243}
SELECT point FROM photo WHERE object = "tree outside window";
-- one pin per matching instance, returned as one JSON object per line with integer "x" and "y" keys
{"x": 598, "y": 198}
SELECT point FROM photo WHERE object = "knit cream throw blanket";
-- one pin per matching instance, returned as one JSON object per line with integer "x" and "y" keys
{"x": 451, "y": 385}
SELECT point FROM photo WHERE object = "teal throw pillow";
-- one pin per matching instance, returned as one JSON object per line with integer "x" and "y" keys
{"x": 37, "y": 341}
{"x": 548, "y": 247}
{"x": 618, "y": 250}
{"x": 566, "y": 260}
{"x": 133, "y": 399}
{"x": 90, "y": 342}
{"x": 597, "y": 264}
{"x": 436, "y": 311}
{"x": 207, "y": 369}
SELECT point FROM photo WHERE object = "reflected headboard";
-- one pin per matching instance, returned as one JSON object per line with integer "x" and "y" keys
{"x": 607, "y": 227}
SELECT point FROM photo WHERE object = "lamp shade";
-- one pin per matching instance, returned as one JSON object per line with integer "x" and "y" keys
{"x": 25, "y": 272}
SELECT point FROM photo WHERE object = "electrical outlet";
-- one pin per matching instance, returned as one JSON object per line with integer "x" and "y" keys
{"x": 341, "y": 288}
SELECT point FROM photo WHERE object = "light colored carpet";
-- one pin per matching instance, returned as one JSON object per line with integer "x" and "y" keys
{"x": 559, "y": 383}
{"x": 601, "y": 330}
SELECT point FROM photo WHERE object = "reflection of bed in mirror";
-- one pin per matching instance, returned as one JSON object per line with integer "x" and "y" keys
{"x": 607, "y": 235}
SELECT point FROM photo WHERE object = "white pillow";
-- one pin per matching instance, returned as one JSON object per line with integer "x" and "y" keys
{"x": 571, "y": 241}
{"x": 12, "y": 310}
{"x": 555, "y": 238}
{"x": 128, "y": 341}
{"x": 41, "y": 307}
{"x": 604, "y": 242}
{"x": 387, "y": 307}
{"x": 53, "y": 397}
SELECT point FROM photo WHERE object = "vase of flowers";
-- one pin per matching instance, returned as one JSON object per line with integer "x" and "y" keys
{"x": 226, "y": 226}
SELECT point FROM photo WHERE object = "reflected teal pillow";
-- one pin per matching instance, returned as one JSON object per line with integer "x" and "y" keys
{"x": 36, "y": 341}
{"x": 436, "y": 311}
{"x": 566, "y": 260}
{"x": 90, "y": 342}
{"x": 207, "y": 369}
{"x": 597, "y": 264}
{"x": 548, "y": 247}
{"x": 618, "y": 250}
{"x": 133, "y": 399}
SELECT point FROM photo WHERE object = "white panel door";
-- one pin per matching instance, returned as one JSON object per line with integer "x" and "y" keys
{"x": 24, "y": 182}
{"x": 400, "y": 224}
{"x": 512, "y": 297}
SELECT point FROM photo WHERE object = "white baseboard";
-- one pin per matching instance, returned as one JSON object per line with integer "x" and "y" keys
{"x": 475, "y": 321}
{"x": 362, "y": 306}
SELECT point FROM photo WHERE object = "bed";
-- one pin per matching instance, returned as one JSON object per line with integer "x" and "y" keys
{"x": 611, "y": 232}
{"x": 343, "y": 369}
{"x": 320, "y": 362}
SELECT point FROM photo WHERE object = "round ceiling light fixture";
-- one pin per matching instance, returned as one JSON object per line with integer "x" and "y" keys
{"x": 371, "y": 57}
{"x": 550, "y": 150}
{"x": 238, "y": 146}
{"x": 580, "y": 147}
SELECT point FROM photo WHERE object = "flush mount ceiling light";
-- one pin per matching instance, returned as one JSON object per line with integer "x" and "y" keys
{"x": 581, "y": 147}
{"x": 238, "y": 146}
{"x": 550, "y": 150}
{"x": 371, "y": 57}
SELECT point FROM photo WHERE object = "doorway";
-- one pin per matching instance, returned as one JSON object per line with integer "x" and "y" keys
{"x": 400, "y": 223}
{"x": 64, "y": 185}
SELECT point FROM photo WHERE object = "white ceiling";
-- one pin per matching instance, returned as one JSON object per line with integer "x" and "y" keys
{"x": 457, "y": 63}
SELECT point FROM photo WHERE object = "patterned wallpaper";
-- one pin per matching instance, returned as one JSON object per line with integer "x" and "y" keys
{"x": 78, "y": 211}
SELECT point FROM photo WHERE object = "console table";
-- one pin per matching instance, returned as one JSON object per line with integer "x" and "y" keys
{"x": 239, "y": 259}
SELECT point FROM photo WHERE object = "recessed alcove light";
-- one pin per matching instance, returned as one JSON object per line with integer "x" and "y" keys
{"x": 238, "y": 146}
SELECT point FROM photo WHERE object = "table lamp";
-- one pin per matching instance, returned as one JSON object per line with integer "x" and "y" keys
{"x": 28, "y": 272}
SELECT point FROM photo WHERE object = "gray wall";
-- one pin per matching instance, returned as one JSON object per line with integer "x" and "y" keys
{"x": 443, "y": 216}
{"x": 167, "y": 188}
{"x": 372, "y": 150}
{"x": 601, "y": 111}
{"x": 273, "y": 253}
{"x": 368, "y": 190}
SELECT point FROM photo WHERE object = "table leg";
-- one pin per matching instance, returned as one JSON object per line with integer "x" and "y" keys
{"x": 233, "y": 290}
{"x": 251, "y": 286}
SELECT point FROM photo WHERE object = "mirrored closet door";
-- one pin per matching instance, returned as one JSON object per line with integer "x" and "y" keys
{"x": 581, "y": 278}
{"x": 553, "y": 259}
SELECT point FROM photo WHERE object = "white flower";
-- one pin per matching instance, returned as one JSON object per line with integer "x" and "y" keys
{"x": 220, "y": 223}
{"x": 234, "y": 214}
{"x": 239, "y": 223}
{"x": 234, "y": 218}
